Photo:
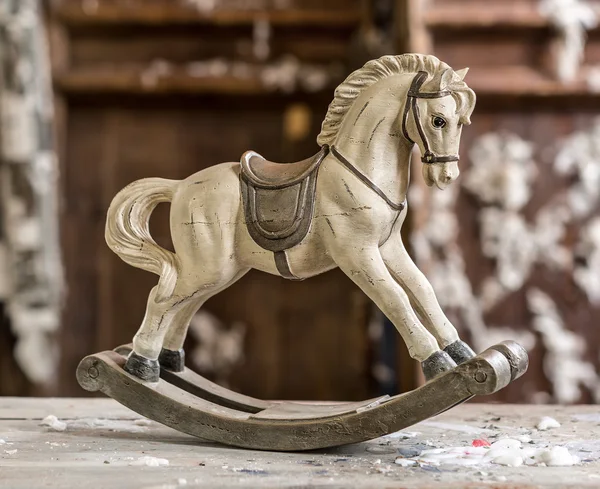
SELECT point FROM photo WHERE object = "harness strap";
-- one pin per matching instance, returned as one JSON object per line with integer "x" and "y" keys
{"x": 364, "y": 179}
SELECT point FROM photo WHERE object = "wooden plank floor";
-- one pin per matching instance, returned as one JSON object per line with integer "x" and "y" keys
{"x": 104, "y": 444}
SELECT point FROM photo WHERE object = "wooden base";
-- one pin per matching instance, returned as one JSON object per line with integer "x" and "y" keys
{"x": 190, "y": 403}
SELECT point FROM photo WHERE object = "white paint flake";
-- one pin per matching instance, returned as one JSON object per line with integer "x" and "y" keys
{"x": 150, "y": 461}
{"x": 53, "y": 423}
{"x": 547, "y": 423}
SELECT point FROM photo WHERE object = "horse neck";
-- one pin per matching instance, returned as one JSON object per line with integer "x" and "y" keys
{"x": 371, "y": 138}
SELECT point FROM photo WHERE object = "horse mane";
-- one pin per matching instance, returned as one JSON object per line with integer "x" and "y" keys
{"x": 378, "y": 69}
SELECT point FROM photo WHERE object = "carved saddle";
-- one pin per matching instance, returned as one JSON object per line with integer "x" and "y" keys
{"x": 278, "y": 200}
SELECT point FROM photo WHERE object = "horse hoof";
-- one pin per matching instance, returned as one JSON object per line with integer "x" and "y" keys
{"x": 173, "y": 360}
{"x": 143, "y": 368}
{"x": 437, "y": 363}
{"x": 459, "y": 351}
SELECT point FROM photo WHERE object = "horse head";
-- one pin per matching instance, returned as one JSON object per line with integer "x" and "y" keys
{"x": 434, "y": 114}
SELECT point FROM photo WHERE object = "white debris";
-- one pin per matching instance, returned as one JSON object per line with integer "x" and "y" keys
{"x": 117, "y": 425}
{"x": 54, "y": 423}
{"x": 508, "y": 459}
{"x": 524, "y": 438}
{"x": 463, "y": 428}
{"x": 556, "y": 457}
{"x": 150, "y": 461}
{"x": 2, "y": 442}
{"x": 405, "y": 462}
{"x": 182, "y": 482}
{"x": 508, "y": 452}
{"x": 546, "y": 423}
{"x": 403, "y": 435}
{"x": 453, "y": 456}
{"x": 10, "y": 452}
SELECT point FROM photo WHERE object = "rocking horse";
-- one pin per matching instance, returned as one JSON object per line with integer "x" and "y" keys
{"x": 343, "y": 207}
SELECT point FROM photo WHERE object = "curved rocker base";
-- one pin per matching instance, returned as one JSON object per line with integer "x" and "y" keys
{"x": 190, "y": 403}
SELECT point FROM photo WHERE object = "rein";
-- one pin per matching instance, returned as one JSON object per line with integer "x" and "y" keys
{"x": 413, "y": 94}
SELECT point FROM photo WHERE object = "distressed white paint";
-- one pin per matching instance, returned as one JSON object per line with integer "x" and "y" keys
{"x": 500, "y": 177}
{"x": 587, "y": 270}
{"x": 578, "y": 157}
{"x": 571, "y": 18}
{"x": 564, "y": 363}
{"x": 502, "y": 170}
{"x": 32, "y": 281}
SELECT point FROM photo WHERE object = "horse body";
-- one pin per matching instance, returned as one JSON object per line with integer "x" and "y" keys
{"x": 353, "y": 226}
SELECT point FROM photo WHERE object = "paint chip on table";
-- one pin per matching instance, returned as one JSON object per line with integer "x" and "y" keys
{"x": 53, "y": 423}
{"x": 547, "y": 423}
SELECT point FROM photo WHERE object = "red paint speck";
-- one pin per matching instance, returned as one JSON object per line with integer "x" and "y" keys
{"x": 480, "y": 442}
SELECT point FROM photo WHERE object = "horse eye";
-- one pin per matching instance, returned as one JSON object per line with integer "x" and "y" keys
{"x": 438, "y": 122}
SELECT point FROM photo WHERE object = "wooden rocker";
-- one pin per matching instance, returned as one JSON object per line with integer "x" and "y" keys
{"x": 190, "y": 403}
{"x": 343, "y": 207}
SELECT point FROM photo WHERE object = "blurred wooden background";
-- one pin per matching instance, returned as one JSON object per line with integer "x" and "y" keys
{"x": 168, "y": 87}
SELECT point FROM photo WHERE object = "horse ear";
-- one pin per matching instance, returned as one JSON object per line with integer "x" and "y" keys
{"x": 446, "y": 78}
{"x": 462, "y": 73}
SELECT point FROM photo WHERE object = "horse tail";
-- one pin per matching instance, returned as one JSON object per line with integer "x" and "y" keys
{"x": 127, "y": 231}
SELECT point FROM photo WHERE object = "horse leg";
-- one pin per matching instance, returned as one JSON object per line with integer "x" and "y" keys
{"x": 143, "y": 360}
{"x": 368, "y": 270}
{"x": 423, "y": 299}
{"x": 172, "y": 355}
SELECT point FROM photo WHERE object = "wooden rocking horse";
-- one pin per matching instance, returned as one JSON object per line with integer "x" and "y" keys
{"x": 343, "y": 207}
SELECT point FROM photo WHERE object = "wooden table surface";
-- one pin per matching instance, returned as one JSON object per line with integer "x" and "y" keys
{"x": 104, "y": 444}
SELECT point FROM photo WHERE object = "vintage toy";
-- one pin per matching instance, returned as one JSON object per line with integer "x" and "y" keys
{"x": 343, "y": 207}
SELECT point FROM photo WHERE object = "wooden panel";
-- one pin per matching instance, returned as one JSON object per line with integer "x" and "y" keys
{"x": 183, "y": 44}
{"x": 226, "y": 12}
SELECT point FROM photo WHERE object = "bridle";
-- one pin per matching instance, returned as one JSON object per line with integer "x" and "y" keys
{"x": 411, "y": 103}
{"x": 429, "y": 156}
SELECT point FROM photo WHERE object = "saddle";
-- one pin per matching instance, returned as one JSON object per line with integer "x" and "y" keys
{"x": 278, "y": 200}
